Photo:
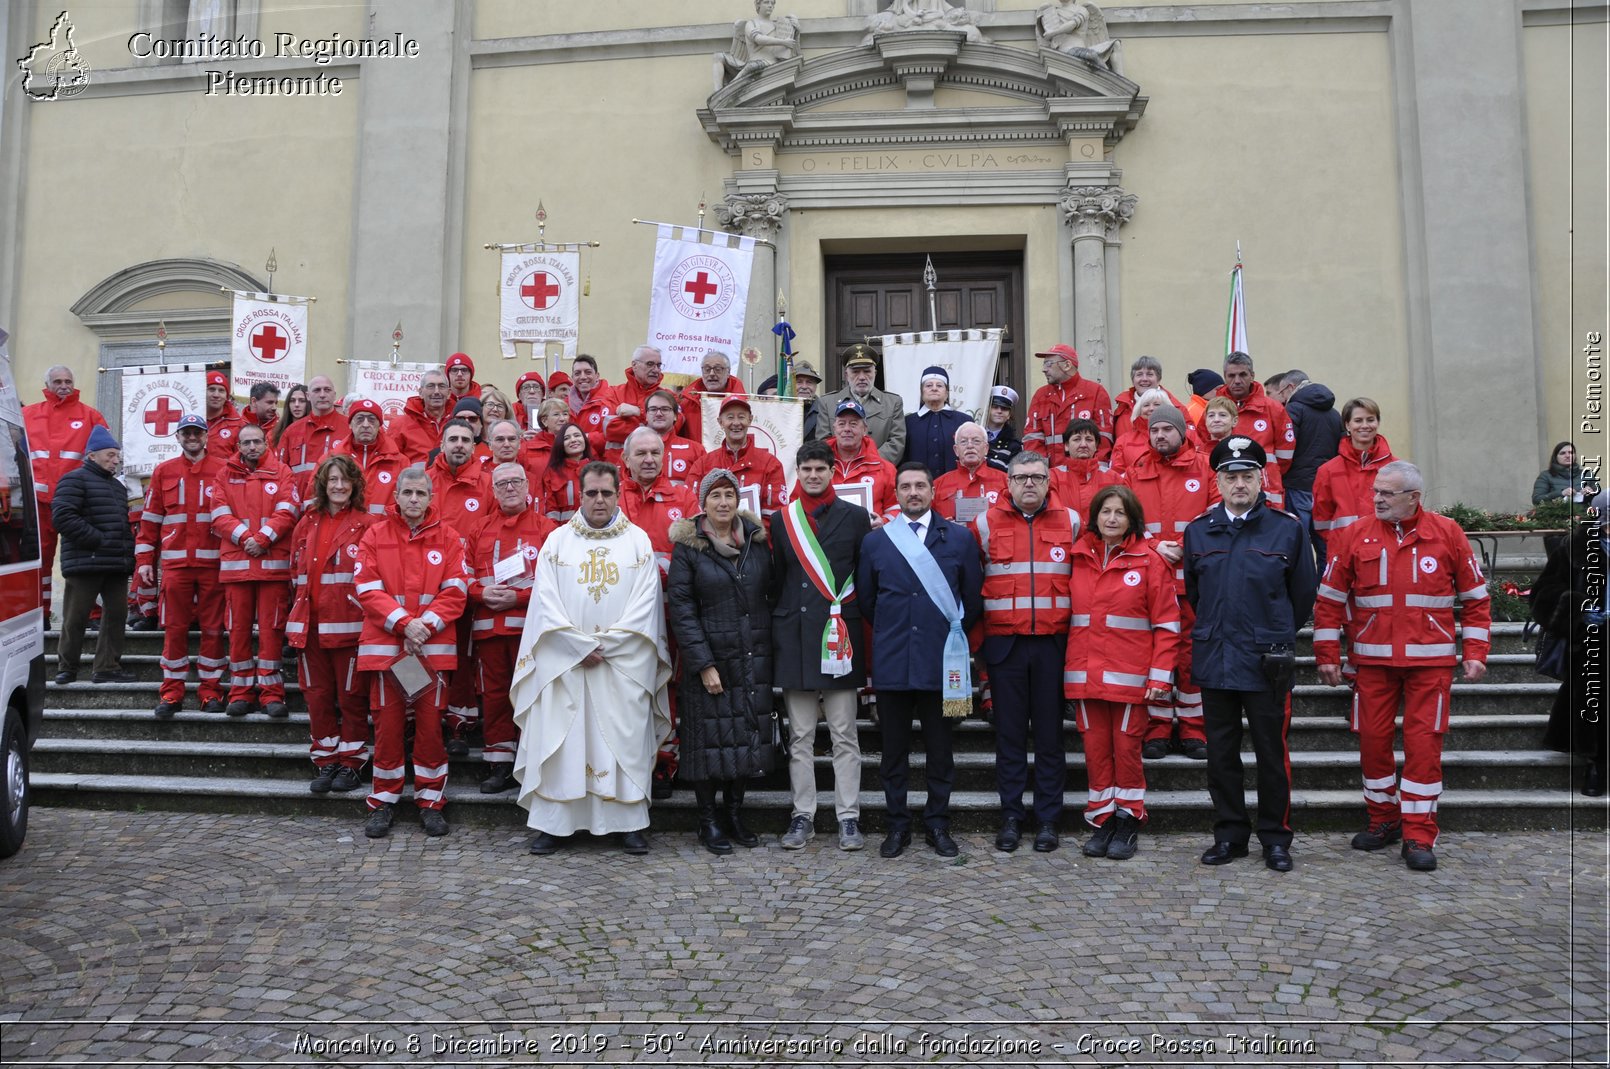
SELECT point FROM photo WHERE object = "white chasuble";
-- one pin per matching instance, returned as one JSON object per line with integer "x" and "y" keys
{"x": 588, "y": 736}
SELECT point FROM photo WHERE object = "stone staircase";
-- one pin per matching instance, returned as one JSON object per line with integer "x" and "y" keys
{"x": 102, "y": 748}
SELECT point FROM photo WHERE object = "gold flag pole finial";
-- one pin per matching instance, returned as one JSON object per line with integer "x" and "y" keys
{"x": 162, "y": 341}
{"x": 271, "y": 266}
{"x": 396, "y": 341}
{"x": 701, "y": 211}
{"x": 542, "y": 224}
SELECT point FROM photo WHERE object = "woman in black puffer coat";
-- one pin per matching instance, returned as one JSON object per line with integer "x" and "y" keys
{"x": 720, "y": 612}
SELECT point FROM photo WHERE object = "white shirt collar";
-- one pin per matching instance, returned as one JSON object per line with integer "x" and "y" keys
{"x": 925, "y": 519}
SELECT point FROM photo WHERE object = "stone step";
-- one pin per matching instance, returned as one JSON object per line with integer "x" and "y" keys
{"x": 974, "y": 771}
{"x": 1512, "y": 731}
{"x": 1185, "y": 811}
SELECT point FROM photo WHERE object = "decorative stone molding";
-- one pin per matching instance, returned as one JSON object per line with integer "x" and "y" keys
{"x": 107, "y": 308}
{"x": 754, "y": 215}
{"x": 1097, "y": 211}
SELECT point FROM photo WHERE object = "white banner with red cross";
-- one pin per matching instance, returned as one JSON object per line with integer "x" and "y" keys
{"x": 154, "y": 399}
{"x": 776, "y": 424}
{"x": 700, "y": 292}
{"x": 387, "y": 384}
{"x": 268, "y": 343}
{"x": 540, "y": 300}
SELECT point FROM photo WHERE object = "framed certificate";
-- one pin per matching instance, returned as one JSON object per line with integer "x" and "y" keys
{"x": 749, "y": 498}
{"x": 855, "y": 493}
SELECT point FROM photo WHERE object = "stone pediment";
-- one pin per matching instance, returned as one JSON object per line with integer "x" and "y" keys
{"x": 1042, "y": 96}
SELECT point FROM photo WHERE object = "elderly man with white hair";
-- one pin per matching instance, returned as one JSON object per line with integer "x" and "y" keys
{"x": 308, "y": 440}
{"x": 58, "y": 435}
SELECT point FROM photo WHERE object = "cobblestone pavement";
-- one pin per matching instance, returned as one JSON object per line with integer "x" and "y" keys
{"x": 170, "y": 938}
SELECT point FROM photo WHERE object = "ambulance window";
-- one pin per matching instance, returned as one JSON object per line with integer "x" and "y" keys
{"x": 19, "y": 527}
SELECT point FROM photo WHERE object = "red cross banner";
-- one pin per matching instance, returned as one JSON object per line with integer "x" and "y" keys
{"x": 387, "y": 384}
{"x": 154, "y": 398}
{"x": 269, "y": 342}
{"x": 700, "y": 292}
{"x": 776, "y": 424}
{"x": 540, "y": 300}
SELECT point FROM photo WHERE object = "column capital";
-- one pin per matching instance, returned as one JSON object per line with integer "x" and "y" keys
{"x": 1097, "y": 211}
{"x": 754, "y": 215}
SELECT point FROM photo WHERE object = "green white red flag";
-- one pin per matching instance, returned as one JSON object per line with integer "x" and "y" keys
{"x": 1235, "y": 330}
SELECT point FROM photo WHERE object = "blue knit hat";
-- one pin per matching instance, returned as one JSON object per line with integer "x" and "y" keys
{"x": 101, "y": 438}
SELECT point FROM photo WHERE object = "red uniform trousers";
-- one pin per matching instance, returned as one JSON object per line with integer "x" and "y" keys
{"x": 494, "y": 667}
{"x": 189, "y": 594}
{"x": 337, "y": 696}
{"x": 463, "y": 702}
{"x": 1186, "y": 708}
{"x": 391, "y": 708}
{"x": 1423, "y": 694}
{"x": 47, "y": 553}
{"x": 265, "y": 602}
{"x": 1112, "y": 736}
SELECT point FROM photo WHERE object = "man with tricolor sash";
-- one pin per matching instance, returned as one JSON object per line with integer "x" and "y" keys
{"x": 818, "y": 659}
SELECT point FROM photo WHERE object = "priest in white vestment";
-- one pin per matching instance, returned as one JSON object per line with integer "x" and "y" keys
{"x": 589, "y": 689}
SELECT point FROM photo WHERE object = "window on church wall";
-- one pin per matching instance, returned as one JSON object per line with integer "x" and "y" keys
{"x": 181, "y": 29}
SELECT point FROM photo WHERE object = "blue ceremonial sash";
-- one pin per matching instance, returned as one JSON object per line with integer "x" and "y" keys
{"x": 957, "y": 683}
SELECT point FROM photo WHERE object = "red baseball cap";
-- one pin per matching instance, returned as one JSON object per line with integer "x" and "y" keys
{"x": 217, "y": 378}
{"x": 556, "y": 380}
{"x": 460, "y": 360}
{"x": 1061, "y": 350}
{"x": 363, "y": 404}
{"x": 736, "y": 400}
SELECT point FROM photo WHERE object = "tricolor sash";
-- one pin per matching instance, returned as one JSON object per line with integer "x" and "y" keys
{"x": 837, "y": 649}
{"x": 956, "y": 688}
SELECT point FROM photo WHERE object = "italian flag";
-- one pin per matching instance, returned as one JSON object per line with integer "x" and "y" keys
{"x": 1235, "y": 328}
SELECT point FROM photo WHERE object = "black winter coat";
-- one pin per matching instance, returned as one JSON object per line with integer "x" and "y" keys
{"x": 801, "y": 613}
{"x": 91, "y": 510}
{"x": 1317, "y": 429}
{"x": 1575, "y": 570}
{"x": 720, "y": 612}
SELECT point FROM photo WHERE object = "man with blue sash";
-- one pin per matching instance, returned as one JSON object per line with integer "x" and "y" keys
{"x": 919, "y": 584}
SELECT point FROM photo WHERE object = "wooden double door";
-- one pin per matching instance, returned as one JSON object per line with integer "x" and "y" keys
{"x": 870, "y": 296}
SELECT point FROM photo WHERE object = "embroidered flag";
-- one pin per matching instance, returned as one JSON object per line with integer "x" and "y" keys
{"x": 700, "y": 293}
{"x": 268, "y": 343}
{"x": 540, "y": 300}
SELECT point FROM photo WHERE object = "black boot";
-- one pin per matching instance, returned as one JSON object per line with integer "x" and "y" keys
{"x": 735, "y": 826}
{"x": 710, "y": 833}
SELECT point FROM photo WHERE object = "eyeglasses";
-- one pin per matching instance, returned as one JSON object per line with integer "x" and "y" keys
{"x": 509, "y": 484}
{"x": 1032, "y": 480}
{"x": 1391, "y": 493}
{"x": 598, "y": 493}
{"x": 662, "y": 409}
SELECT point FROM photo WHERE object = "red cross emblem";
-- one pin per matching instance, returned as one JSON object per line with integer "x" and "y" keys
{"x": 539, "y": 290}
{"x": 700, "y": 287}
{"x": 268, "y": 343}
{"x": 161, "y": 415}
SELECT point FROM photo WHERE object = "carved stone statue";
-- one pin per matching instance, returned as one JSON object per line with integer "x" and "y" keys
{"x": 757, "y": 43}
{"x": 905, "y": 15}
{"x": 1078, "y": 28}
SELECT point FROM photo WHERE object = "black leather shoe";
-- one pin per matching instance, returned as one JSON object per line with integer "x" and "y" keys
{"x": 634, "y": 843}
{"x": 378, "y": 826}
{"x": 1277, "y": 857}
{"x": 118, "y": 676}
{"x": 457, "y": 748}
{"x": 943, "y": 844}
{"x": 544, "y": 844}
{"x": 64, "y": 678}
{"x": 659, "y": 788}
{"x": 1009, "y": 836}
{"x": 239, "y": 708}
{"x": 1592, "y": 783}
{"x": 737, "y": 831}
{"x": 500, "y": 777}
{"x": 213, "y": 705}
{"x": 1097, "y": 844}
{"x": 143, "y": 623}
{"x": 321, "y": 782}
{"x": 165, "y": 710}
{"x": 895, "y": 844}
{"x": 1223, "y": 853}
{"x": 433, "y": 822}
{"x": 1195, "y": 749}
{"x": 1418, "y": 856}
{"x": 1046, "y": 840}
{"x": 277, "y": 711}
{"x": 1154, "y": 750}
{"x": 346, "y": 779}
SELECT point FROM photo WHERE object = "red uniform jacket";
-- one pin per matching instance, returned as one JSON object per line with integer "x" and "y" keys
{"x": 325, "y": 608}
{"x": 755, "y": 466}
{"x": 222, "y": 430}
{"x": 867, "y": 466}
{"x": 58, "y": 430}
{"x": 1053, "y": 407}
{"x": 558, "y": 491}
{"x": 985, "y": 483}
{"x": 403, "y": 574}
{"x": 655, "y": 508}
{"x": 380, "y": 463}
{"x": 691, "y": 422}
{"x": 1075, "y": 482}
{"x": 681, "y": 454}
{"x": 1124, "y": 634}
{"x": 629, "y": 392}
{"x": 176, "y": 525}
{"x": 414, "y": 432}
{"x": 1264, "y": 420}
{"x": 501, "y": 536}
{"x": 593, "y": 414}
{"x": 1344, "y": 485}
{"x": 462, "y": 498}
{"x": 307, "y": 441}
{"x": 1396, "y": 595}
{"x": 260, "y": 504}
{"x": 1172, "y": 492}
{"x": 1026, "y": 568}
{"x": 534, "y": 454}
{"x": 1123, "y": 411}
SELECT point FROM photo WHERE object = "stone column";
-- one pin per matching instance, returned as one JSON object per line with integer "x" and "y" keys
{"x": 758, "y": 216}
{"x": 1094, "y": 214}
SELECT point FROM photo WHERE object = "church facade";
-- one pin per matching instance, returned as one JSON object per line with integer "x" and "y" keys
{"x": 1417, "y": 186}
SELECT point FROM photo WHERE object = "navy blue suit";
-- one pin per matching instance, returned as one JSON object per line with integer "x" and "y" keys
{"x": 908, "y": 645}
{"x": 931, "y": 438}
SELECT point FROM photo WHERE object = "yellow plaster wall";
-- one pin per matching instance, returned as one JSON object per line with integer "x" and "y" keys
{"x": 1565, "y": 125}
{"x": 1286, "y": 144}
{"x": 532, "y": 18}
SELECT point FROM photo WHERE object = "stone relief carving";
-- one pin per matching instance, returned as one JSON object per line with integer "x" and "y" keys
{"x": 757, "y": 43}
{"x": 1078, "y": 28}
{"x": 754, "y": 215}
{"x": 906, "y": 15}
{"x": 1097, "y": 211}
